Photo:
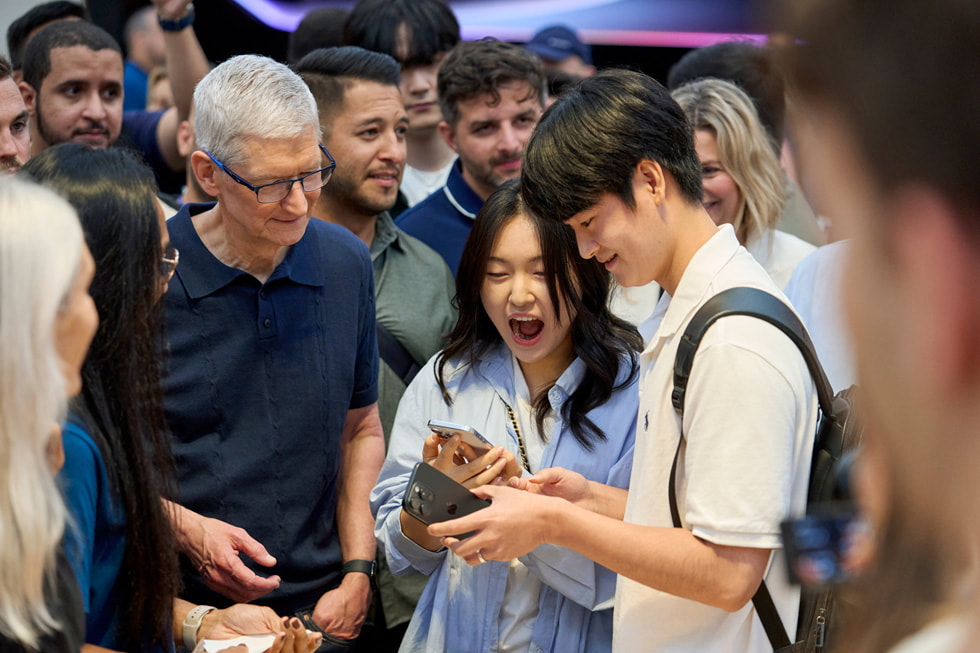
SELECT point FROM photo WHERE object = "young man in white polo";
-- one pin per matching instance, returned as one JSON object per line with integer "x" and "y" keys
{"x": 615, "y": 160}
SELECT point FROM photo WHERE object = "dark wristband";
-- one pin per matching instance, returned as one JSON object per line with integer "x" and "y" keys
{"x": 177, "y": 24}
{"x": 359, "y": 566}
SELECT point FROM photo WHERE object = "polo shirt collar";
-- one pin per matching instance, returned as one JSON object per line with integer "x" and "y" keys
{"x": 385, "y": 234}
{"x": 202, "y": 274}
{"x": 459, "y": 193}
{"x": 674, "y": 312}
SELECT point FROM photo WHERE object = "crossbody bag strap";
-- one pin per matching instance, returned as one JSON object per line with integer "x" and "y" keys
{"x": 520, "y": 439}
{"x": 771, "y": 622}
{"x": 394, "y": 354}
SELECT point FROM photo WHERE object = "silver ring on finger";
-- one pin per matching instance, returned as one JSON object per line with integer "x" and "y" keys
{"x": 479, "y": 555}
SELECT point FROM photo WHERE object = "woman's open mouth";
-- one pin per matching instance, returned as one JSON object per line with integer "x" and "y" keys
{"x": 526, "y": 329}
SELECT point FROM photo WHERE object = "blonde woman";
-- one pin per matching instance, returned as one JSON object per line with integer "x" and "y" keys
{"x": 743, "y": 183}
{"x": 47, "y": 321}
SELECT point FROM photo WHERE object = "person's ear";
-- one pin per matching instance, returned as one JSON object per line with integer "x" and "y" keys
{"x": 651, "y": 180}
{"x": 206, "y": 172}
{"x": 30, "y": 96}
{"x": 185, "y": 138}
{"x": 938, "y": 267}
{"x": 448, "y": 134}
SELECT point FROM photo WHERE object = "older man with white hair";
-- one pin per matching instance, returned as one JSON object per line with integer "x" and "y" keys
{"x": 271, "y": 390}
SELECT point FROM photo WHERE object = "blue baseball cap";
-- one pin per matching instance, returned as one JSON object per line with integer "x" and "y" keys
{"x": 557, "y": 43}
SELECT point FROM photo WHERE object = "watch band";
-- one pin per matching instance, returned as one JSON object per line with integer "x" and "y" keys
{"x": 192, "y": 623}
{"x": 177, "y": 24}
{"x": 359, "y": 566}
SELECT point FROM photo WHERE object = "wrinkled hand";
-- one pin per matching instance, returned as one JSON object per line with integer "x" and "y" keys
{"x": 214, "y": 547}
{"x": 450, "y": 457}
{"x": 559, "y": 482}
{"x": 171, "y": 9}
{"x": 239, "y": 619}
{"x": 341, "y": 612}
{"x": 514, "y": 524}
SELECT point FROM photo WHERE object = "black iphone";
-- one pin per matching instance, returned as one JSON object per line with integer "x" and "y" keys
{"x": 434, "y": 497}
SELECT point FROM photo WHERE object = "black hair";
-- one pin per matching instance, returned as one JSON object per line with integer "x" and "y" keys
{"x": 589, "y": 142}
{"x": 430, "y": 28}
{"x": 65, "y": 34}
{"x": 753, "y": 68}
{"x": 5, "y": 69}
{"x": 476, "y": 68}
{"x": 19, "y": 30}
{"x": 121, "y": 401}
{"x": 330, "y": 71}
{"x": 320, "y": 28}
{"x": 603, "y": 341}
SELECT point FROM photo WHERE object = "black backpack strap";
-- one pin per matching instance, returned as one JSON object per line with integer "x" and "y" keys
{"x": 760, "y": 304}
{"x": 396, "y": 356}
{"x": 755, "y": 303}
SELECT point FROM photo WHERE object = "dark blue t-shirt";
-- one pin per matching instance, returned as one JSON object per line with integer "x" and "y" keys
{"x": 139, "y": 132}
{"x": 443, "y": 220}
{"x": 259, "y": 381}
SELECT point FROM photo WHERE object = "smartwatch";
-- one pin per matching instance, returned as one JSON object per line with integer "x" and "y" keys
{"x": 192, "y": 624}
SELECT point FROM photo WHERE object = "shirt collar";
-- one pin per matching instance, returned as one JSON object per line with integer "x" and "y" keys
{"x": 385, "y": 234}
{"x": 499, "y": 370}
{"x": 202, "y": 274}
{"x": 673, "y": 312}
{"x": 459, "y": 193}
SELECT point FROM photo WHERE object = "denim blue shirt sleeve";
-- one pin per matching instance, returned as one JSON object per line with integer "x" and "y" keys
{"x": 460, "y": 606}
{"x": 259, "y": 382}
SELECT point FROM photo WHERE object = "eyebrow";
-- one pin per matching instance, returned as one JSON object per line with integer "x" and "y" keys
{"x": 497, "y": 259}
{"x": 23, "y": 115}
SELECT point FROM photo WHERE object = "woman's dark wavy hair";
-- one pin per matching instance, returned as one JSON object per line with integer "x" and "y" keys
{"x": 121, "y": 401}
{"x": 602, "y": 340}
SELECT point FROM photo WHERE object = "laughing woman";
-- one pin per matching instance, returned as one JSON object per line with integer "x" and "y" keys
{"x": 538, "y": 365}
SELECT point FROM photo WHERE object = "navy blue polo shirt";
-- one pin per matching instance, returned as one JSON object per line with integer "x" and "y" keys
{"x": 443, "y": 220}
{"x": 259, "y": 381}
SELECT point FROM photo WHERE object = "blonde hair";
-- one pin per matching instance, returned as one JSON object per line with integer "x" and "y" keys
{"x": 746, "y": 151}
{"x": 40, "y": 250}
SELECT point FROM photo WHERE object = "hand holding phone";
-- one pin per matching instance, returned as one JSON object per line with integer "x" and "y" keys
{"x": 467, "y": 434}
{"x": 434, "y": 497}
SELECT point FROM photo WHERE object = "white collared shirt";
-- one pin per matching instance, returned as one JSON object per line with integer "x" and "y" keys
{"x": 749, "y": 420}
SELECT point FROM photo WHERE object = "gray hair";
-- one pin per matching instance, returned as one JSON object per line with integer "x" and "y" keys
{"x": 40, "y": 249}
{"x": 250, "y": 95}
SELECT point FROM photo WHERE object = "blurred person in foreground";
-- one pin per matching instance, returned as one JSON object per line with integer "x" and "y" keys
{"x": 889, "y": 134}
{"x": 47, "y": 320}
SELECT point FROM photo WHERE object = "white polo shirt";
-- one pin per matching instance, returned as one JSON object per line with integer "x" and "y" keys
{"x": 749, "y": 421}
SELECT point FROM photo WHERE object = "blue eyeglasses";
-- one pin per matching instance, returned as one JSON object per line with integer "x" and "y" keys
{"x": 277, "y": 191}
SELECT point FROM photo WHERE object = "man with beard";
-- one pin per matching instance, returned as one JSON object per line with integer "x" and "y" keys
{"x": 491, "y": 94}
{"x": 73, "y": 89}
{"x": 364, "y": 125}
{"x": 15, "y": 139}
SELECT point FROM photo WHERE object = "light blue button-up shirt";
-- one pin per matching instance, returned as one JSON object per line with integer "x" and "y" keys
{"x": 459, "y": 610}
